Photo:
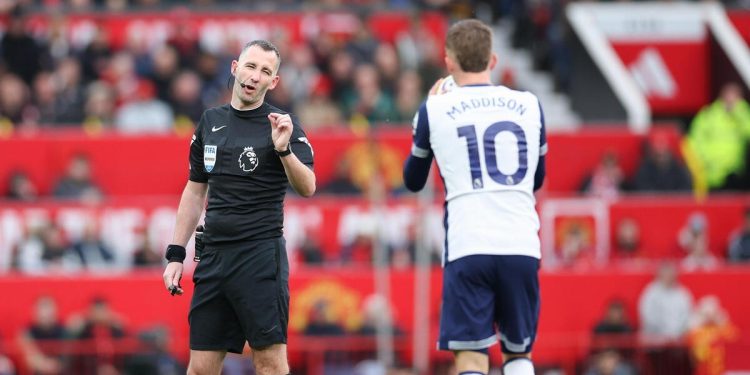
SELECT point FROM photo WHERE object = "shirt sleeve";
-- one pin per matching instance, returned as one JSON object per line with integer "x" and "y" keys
{"x": 417, "y": 165}
{"x": 541, "y": 168}
{"x": 300, "y": 145}
{"x": 197, "y": 170}
{"x": 543, "y": 132}
{"x": 421, "y": 134}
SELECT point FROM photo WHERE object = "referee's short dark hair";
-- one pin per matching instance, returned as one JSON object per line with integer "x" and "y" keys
{"x": 266, "y": 46}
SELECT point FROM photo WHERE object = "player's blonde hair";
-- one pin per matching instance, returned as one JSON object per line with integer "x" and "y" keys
{"x": 470, "y": 42}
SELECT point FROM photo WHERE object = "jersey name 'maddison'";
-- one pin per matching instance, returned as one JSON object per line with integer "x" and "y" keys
{"x": 487, "y": 141}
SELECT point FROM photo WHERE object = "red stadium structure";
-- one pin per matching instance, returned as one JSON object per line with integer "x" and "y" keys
{"x": 140, "y": 177}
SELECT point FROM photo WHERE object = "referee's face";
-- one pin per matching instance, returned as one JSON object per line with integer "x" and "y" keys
{"x": 256, "y": 70}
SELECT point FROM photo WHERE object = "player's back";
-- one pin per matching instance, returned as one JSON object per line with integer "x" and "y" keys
{"x": 487, "y": 141}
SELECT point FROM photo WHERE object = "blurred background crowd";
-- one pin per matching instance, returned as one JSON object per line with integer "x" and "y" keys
{"x": 346, "y": 71}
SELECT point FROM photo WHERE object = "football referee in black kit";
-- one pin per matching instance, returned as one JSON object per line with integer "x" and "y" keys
{"x": 243, "y": 154}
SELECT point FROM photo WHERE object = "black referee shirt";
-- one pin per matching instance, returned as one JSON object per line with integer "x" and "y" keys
{"x": 233, "y": 152}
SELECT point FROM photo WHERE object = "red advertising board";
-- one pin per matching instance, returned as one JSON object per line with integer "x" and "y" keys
{"x": 665, "y": 48}
{"x": 741, "y": 21}
{"x": 674, "y": 75}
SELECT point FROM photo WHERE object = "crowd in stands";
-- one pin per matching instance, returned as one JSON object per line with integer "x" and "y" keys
{"x": 359, "y": 82}
{"x": 326, "y": 81}
{"x": 97, "y": 337}
{"x": 677, "y": 334}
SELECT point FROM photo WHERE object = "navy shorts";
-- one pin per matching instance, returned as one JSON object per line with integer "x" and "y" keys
{"x": 240, "y": 295}
{"x": 484, "y": 294}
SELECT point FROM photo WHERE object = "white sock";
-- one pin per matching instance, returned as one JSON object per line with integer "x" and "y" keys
{"x": 518, "y": 366}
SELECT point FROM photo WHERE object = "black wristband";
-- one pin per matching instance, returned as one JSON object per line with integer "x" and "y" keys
{"x": 175, "y": 253}
{"x": 286, "y": 152}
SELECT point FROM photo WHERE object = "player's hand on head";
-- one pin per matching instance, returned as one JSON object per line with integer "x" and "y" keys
{"x": 435, "y": 87}
{"x": 281, "y": 129}
{"x": 443, "y": 85}
{"x": 172, "y": 276}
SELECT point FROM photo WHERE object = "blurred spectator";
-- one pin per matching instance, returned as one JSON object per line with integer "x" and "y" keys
{"x": 409, "y": 95}
{"x": 576, "y": 248}
{"x": 710, "y": 331}
{"x": 322, "y": 322}
{"x": 21, "y": 55}
{"x": 319, "y": 110}
{"x": 41, "y": 341}
{"x": 99, "y": 320}
{"x": 184, "y": 39}
{"x": 610, "y": 362}
{"x": 341, "y": 70}
{"x": 739, "y": 244}
{"x": 46, "y": 250}
{"x": 607, "y": 180}
{"x": 360, "y": 250}
{"x": 96, "y": 56}
{"x": 378, "y": 314}
{"x": 693, "y": 239}
{"x": 362, "y": 45}
{"x": 69, "y": 90}
{"x": 299, "y": 74}
{"x": 154, "y": 358}
{"x": 418, "y": 49}
{"x": 310, "y": 252}
{"x": 16, "y": 108}
{"x": 213, "y": 83}
{"x": 144, "y": 114}
{"x": 58, "y": 44}
{"x": 99, "y": 108}
{"x": 341, "y": 183}
{"x": 145, "y": 255}
{"x": 614, "y": 320}
{"x": 388, "y": 66}
{"x": 665, "y": 305}
{"x": 102, "y": 326}
{"x": 369, "y": 104}
{"x": 659, "y": 170}
{"x": 281, "y": 98}
{"x": 402, "y": 253}
{"x": 627, "y": 239}
{"x": 716, "y": 144}
{"x": 121, "y": 75}
{"x": 44, "y": 96}
{"x": 164, "y": 69}
{"x": 21, "y": 188}
{"x": 186, "y": 100}
{"x": 77, "y": 183}
{"x": 93, "y": 253}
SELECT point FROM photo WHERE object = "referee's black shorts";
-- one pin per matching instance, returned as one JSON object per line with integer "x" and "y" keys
{"x": 241, "y": 295}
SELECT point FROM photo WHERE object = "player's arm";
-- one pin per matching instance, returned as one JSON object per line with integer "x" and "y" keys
{"x": 191, "y": 206}
{"x": 541, "y": 169}
{"x": 294, "y": 152}
{"x": 417, "y": 166}
{"x": 189, "y": 211}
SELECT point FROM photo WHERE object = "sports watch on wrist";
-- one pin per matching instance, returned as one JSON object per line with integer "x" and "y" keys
{"x": 285, "y": 152}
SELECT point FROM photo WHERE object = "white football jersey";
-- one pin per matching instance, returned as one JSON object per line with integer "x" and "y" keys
{"x": 487, "y": 141}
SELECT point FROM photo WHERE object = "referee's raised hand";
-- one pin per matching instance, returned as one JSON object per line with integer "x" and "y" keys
{"x": 281, "y": 130}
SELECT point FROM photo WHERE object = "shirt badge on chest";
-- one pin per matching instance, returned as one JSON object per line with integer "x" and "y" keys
{"x": 209, "y": 157}
{"x": 248, "y": 160}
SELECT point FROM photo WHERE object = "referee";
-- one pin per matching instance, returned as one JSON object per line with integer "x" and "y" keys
{"x": 244, "y": 155}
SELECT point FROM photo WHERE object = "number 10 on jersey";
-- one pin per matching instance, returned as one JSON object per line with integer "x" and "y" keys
{"x": 490, "y": 159}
